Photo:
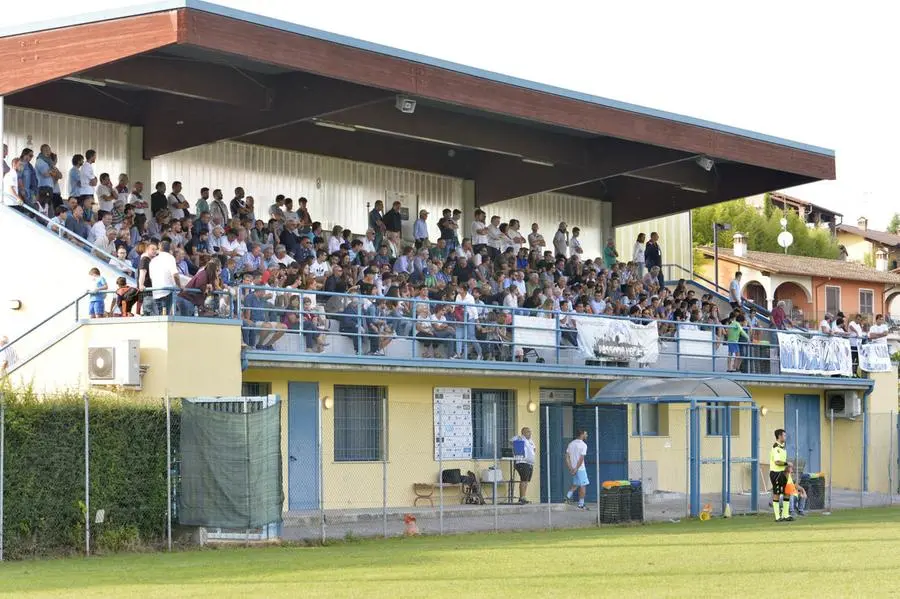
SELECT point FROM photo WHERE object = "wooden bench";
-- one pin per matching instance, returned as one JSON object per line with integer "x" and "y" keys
{"x": 425, "y": 491}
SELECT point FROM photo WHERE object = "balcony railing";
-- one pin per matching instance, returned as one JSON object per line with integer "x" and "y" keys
{"x": 320, "y": 326}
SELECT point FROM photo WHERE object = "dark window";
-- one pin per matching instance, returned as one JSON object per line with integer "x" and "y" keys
{"x": 492, "y": 429}
{"x": 256, "y": 389}
{"x": 359, "y": 423}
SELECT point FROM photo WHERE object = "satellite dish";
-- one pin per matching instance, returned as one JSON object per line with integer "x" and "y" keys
{"x": 785, "y": 239}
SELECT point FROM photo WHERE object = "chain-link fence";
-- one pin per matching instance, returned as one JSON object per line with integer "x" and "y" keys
{"x": 94, "y": 474}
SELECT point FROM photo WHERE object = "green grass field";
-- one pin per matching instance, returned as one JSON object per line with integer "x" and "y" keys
{"x": 848, "y": 554}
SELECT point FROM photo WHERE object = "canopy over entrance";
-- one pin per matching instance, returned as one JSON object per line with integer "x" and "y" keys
{"x": 663, "y": 390}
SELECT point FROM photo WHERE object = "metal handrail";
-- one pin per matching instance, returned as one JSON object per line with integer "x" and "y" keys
{"x": 717, "y": 289}
{"x": 85, "y": 245}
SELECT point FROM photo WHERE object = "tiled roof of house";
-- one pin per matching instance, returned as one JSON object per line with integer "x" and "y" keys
{"x": 811, "y": 267}
{"x": 882, "y": 237}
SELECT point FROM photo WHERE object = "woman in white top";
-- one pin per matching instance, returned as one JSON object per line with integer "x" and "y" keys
{"x": 335, "y": 241}
{"x": 638, "y": 257}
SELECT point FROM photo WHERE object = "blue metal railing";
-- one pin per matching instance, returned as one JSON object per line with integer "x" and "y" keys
{"x": 720, "y": 292}
{"x": 341, "y": 325}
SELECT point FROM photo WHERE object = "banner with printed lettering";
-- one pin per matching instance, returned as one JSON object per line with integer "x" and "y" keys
{"x": 819, "y": 355}
{"x": 875, "y": 357}
{"x": 617, "y": 340}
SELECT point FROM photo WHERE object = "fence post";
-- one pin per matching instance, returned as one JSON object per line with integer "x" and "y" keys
{"x": 87, "y": 476}
{"x": 321, "y": 474}
{"x": 890, "y": 486}
{"x": 830, "y": 455}
{"x": 641, "y": 455}
{"x": 547, "y": 475}
{"x": 754, "y": 460}
{"x": 494, "y": 476}
{"x": 2, "y": 461}
{"x": 384, "y": 472}
{"x": 440, "y": 405}
{"x": 169, "y": 472}
{"x": 865, "y": 458}
{"x": 597, "y": 457}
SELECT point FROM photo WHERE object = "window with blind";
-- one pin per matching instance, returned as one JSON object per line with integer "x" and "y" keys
{"x": 359, "y": 423}
{"x": 493, "y": 422}
{"x": 866, "y": 302}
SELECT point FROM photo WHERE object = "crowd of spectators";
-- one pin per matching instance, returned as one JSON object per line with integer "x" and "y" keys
{"x": 190, "y": 260}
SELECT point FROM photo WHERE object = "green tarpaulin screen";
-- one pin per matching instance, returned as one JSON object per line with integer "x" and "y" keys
{"x": 230, "y": 467}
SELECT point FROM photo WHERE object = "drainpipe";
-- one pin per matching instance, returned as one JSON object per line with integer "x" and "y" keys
{"x": 865, "y": 447}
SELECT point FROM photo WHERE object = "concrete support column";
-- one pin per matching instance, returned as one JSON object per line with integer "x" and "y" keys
{"x": 139, "y": 169}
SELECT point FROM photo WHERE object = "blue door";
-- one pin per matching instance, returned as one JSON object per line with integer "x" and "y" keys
{"x": 803, "y": 442}
{"x": 303, "y": 446}
{"x": 561, "y": 422}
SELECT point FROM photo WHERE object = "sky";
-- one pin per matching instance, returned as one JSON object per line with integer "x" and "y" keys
{"x": 822, "y": 73}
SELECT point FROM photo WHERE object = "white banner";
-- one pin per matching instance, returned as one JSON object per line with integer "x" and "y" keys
{"x": 694, "y": 343}
{"x": 820, "y": 355}
{"x": 617, "y": 340}
{"x": 534, "y": 331}
{"x": 875, "y": 357}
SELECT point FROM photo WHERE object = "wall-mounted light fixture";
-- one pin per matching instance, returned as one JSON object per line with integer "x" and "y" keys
{"x": 327, "y": 402}
{"x": 532, "y": 407}
{"x": 14, "y": 304}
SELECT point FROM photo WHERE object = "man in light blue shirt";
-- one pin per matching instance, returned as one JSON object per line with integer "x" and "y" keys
{"x": 420, "y": 229}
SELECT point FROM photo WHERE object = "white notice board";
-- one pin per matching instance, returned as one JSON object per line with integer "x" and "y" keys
{"x": 452, "y": 423}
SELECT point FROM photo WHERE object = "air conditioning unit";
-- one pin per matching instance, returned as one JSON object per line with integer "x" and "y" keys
{"x": 846, "y": 404}
{"x": 118, "y": 363}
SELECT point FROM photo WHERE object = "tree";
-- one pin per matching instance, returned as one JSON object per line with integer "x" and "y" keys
{"x": 761, "y": 229}
{"x": 894, "y": 225}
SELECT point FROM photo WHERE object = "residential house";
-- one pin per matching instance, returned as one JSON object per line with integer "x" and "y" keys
{"x": 812, "y": 214}
{"x": 862, "y": 243}
{"x": 810, "y": 286}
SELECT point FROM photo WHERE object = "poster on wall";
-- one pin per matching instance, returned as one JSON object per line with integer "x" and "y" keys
{"x": 452, "y": 423}
{"x": 819, "y": 355}
{"x": 875, "y": 357}
{"x": 618, "y": 340}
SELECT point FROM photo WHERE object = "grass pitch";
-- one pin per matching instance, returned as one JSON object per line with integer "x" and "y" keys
{"x": 849, "y": 554}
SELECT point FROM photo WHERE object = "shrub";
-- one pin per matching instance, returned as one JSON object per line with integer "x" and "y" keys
{"x": 44, "y": 495}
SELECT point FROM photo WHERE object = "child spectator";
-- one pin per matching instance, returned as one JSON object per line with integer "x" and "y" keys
{"x": 126, "y": 298}
{"x": 96, "y": 288}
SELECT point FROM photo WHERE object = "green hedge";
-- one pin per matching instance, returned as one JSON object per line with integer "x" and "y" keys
{"x": 44, "y": 474}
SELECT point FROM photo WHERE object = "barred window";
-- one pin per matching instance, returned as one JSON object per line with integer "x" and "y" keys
{"x": 359, "y": 423}
{"x": 490, "y": 435}
{"x": 715, "y": 419}
{"x": 255, "y": 389}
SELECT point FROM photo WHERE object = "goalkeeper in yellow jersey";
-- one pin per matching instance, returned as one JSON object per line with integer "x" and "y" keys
{"x": 778, "y": 477}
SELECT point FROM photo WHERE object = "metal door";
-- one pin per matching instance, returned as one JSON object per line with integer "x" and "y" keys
{"x": 804, "y": 443}
{"x": 304, "y": 461}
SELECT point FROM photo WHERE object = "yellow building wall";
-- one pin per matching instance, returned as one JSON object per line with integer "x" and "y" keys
{"x": 410, "y": 437}
{"x": 184, "y": 359}
{"x": 857, "y": 247}
{"x": 410, "y": 432}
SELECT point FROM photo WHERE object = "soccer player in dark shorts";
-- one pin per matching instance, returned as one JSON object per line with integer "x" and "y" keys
{"x": 778, "y": 477}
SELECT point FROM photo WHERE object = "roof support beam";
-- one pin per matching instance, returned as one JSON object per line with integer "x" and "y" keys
{"x": 174, "y": 124}
{"x": 180, "y": 77}
{"x": 429, "y": 123}
{"x": 687, "y": 174}
{"x": 635, "y": 200}
{"x": 502, "y": 178}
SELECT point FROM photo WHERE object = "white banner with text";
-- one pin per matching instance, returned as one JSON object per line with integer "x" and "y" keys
{"x": 875, "y": 357}
{"x": 618, "y": 340}
{"x": 819, "y": 355}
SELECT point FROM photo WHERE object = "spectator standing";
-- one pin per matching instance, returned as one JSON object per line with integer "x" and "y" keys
{"x": 96, "y": 288}
{"x": 524, "y": 461}
{"x": 163, "y": 271}
{"x": 878, "y": 332}
{"x": 420, "y": 229}
{"x": 376, "y": 222}
{"x": 106, "y": 197}
{"x": 202, "y": 204}
{"x": 448, "y": 227}
{"x": 8, "y": 357}
{"x": 561, "y": 241}
{"x": 575, "y": 248}
{"x": 575, "y": 454}
{"x": 12, "y": 196}
{"x": 74, "y": 178}
{"x": 780, "y": 318}
{"x": 28, "y": 180}
{"x": 88, "y": 183}
{"x": 218, "y": 210}
{"x": 638, "y": 254}
{"x": 136, "y": 199}
{"x": 158, "y": 199}
{"x": 238, "y": 206}
{"x": 535, "y": 239}
{"x": 393, "y": 219}
{"x": 479, "y": 232}
{"x": 47, "y": 175}
{"x": 610, "y": 254}
{"x": 734, "y": 291}
{"x": 303, "y": 216}
{"x": 176, "y": 202}
{"x": 653, "y": 256}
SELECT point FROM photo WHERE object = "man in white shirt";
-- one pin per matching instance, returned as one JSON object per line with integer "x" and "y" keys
{"x": 320, "y": 267}
{"x": 575, "y": 248}
{"x": 177, "y": 203}
{"x": 136, "y": 199}
{"x": 369, "y": 242}
{"x": 282, "y": 257}
{"x": 106, "y": 197}
{"x": 575, "y": 454}
{"x": 878, "y": 332}
{"x": 825, "y": 324}
{"x": 524, "y": 461}
{"x": 734, "y": 291}
{"x": 535, "y": 239}
{"x": 11, "y": 195}
{"x": 88, "y": 178}
{"x": 98, "y": 230}
{"x": 495, "y": 241}
{"x": 561, "y": 241}
{"x": 420, "y": 228}
{"x": 8, "y": 357}
{"x": 479, "y": 232}
{"x": 163, "y": 272}
{"x": 465, "y": 331}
